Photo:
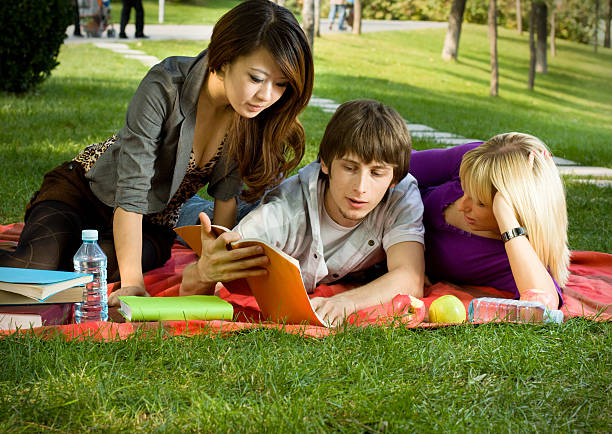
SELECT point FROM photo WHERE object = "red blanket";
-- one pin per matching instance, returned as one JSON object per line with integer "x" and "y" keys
{"x": 588, "y": 293}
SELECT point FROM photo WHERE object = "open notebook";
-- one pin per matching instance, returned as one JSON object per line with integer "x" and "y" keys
{"x": 281, "y": 294}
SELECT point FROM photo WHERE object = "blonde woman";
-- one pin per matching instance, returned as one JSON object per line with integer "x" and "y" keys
{"x": 495, "y": 215}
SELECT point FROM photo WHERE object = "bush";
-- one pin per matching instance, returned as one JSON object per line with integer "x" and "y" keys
{"x": 32, "y": 33}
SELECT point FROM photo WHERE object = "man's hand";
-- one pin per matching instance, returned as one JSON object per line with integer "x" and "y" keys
{"x": 219, "y": 262}
{"x": 333, "y": 310}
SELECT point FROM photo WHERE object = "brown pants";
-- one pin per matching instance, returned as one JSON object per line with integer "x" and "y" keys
{"x": 57, "y": 214}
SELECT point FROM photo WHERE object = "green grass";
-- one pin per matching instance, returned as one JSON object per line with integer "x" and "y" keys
{"x": 85, "y": 101}
{"x": 570, "y": 108}
{"x": 181, "y": 12}
{"x": 466, "y": 378}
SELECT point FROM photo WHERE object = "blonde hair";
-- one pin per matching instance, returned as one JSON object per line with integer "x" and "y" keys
{"x": 521, "y": 168}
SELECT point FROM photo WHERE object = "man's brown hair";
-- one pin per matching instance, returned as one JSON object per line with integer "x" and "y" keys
{"x": 371, "y": 131}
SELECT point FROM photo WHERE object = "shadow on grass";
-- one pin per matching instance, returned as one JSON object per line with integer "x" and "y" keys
{"x": 469, "y": 115}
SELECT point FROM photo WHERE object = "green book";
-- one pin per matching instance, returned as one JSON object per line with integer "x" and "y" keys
{"x": 201, "y": 307}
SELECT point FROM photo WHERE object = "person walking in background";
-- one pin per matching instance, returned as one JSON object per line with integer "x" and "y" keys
{"x": 126, "y": 9}
{"x": 337, "y": 7}
{"x": 77, "y": 19}
{"x": 349, "y": 13}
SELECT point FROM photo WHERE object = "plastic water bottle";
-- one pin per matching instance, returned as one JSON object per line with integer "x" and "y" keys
{"x": 487, "y": 309}
{"x": 91, "y": 259}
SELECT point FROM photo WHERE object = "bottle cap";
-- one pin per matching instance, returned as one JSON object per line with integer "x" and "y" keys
{"x": 554, "y": 316}
{"x": 89, "y": 235}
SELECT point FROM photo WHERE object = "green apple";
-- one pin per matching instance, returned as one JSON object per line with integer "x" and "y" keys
{"x": 447, "y": 309}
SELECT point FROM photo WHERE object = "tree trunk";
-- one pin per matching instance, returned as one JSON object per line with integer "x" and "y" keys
{"x": 493, "y": 47}
{"x": 532, "y": 53}
{"x": 596, "y": 31}
{"x": 553, "y": 43}
{"x": 317, "y": 18}
{"x": 357, "y": 17}
{"x": 451, "y": 42}
{"x": 519, "y": 17}
{"x": 542, "y": 21}
{"x": 608, "y": 19}
{"x": 308, "y": 21}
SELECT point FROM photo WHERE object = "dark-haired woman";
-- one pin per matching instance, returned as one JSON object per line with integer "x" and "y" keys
{"x": 221, "y": 119}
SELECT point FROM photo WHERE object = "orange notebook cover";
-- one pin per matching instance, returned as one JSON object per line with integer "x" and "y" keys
{"x": 281, "y": 294}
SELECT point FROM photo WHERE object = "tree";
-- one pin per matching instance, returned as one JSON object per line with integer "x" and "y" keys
{"x": 553, "y": 44}
{"x": 532, "y": 51}
{"x": 451, "y": 42}
{"x": 608, "y": 19}
{"x": 493, "y": 47}
{"x": 519, "y": 17}
{"x": 596, "y": 30}
{"x": 541, "y": 45}
{"x": 357, "y": 17}
{"x": 317, "y": 18}
{"x": 308, "y": 21}
{"x": 32, "y": 33}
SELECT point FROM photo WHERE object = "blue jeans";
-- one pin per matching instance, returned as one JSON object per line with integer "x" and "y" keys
{"x": 333, "y": 10}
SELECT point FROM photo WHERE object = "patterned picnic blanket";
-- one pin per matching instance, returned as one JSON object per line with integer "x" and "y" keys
{"x": 588, "y": 293}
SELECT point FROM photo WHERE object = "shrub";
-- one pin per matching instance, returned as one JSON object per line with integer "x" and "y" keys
{"x": 32, "y": 33}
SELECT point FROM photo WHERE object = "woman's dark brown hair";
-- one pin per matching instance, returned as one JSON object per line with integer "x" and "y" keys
{"x": 272, "y": 144}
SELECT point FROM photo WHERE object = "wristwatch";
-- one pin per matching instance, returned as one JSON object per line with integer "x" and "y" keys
{"x": 513, "y": 233}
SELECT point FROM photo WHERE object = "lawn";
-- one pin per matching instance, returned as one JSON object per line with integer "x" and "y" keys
{"x": 464, "y": 378}
{"x": 181, "y": 11}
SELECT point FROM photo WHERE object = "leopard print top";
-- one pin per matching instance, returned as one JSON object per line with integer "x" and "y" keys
{"x": 195, "y": 178}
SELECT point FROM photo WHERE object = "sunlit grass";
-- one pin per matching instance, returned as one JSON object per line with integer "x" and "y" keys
{"x": 466, "y": 378}
{"x": 494, "y": 378}
{"x": 180, "y": 11}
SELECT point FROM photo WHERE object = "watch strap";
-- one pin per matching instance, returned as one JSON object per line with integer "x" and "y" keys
{"x": 513, "y": 233}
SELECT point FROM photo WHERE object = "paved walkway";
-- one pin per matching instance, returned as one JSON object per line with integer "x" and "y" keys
{"x": 193, "y": 32}
{"x": 202, "y": 32}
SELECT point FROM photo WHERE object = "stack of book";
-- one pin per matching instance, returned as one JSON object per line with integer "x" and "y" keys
{"x": 34, "y": 298}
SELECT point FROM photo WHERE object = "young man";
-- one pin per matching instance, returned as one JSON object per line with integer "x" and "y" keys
{"x": 355, "y": 208}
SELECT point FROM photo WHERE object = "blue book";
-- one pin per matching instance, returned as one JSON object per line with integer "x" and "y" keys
{"x": 39, "y": 284}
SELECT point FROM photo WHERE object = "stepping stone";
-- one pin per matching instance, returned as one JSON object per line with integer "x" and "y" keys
{"x": 598, "y": 182}
{"x": 146, "y": 60}
{"x": 112, "y": 45}
{"x": 129, "y": 51}
{"x": 315, "y": 100}
{"x": 563, "y": 162}
{"x": 435, "y": 135}
{"x": 459, "y": 141}
{"x": 585, "y": 171}
{"x": 418, "y": 127}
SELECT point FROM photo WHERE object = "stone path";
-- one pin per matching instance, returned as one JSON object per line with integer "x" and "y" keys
{"x": 203, "y": 32}
{"x": 159, "y": 32}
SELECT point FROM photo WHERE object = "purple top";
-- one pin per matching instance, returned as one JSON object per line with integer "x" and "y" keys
{"x": 451, "y": 253}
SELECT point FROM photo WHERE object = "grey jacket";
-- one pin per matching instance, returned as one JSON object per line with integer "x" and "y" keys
{"x": 288, "y": 217}
{"x": 145, "y": 167}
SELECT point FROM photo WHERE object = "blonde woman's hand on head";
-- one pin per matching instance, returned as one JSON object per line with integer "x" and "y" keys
{"x": 504, "y": 213}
